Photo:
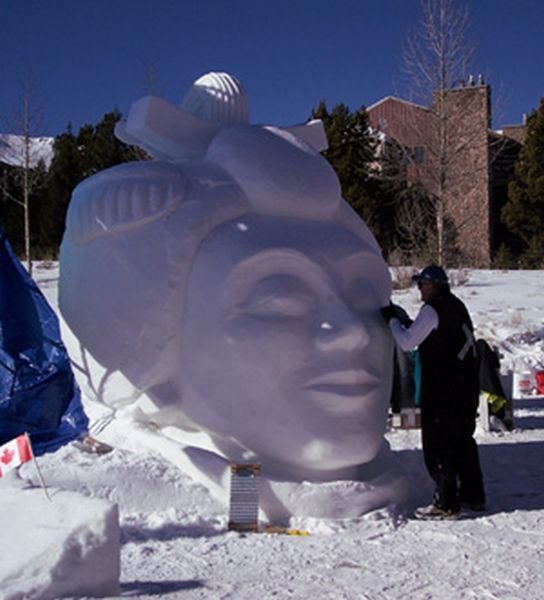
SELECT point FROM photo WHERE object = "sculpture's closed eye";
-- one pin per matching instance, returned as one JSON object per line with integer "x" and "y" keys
{"x": 280, "y": 296}
{"x": 280, "y": 305}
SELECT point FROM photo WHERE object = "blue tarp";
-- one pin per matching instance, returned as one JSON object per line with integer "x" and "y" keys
{"x": 38, "y": 392}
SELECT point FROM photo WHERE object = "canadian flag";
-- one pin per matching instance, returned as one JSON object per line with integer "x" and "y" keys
{"x": 15, "y": 453}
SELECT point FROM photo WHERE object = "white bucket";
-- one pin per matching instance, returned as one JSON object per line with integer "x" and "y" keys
{"x": 522, "y": 383}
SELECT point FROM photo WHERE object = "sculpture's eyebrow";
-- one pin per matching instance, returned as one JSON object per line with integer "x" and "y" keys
{"x": 285, "y": 261}
{"x": 368, "y": 266}
{"x": 353, "y": 262}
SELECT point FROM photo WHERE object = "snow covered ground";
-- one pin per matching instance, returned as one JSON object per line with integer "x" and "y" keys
{"x": 174, "y": 538}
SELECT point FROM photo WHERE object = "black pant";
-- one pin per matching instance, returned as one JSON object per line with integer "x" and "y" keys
{"x": 448, "y": 420}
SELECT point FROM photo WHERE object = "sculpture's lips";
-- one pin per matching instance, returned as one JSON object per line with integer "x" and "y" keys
{"x": 348, "y": 382}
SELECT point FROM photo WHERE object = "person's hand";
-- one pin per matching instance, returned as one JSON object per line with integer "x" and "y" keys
{"x": 389, "y": 312}
{"x": 402, "y": 316}
{"x": 394, "y": 311}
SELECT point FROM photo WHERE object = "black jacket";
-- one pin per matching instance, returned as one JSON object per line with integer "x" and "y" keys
{"x": 449, "y": 351}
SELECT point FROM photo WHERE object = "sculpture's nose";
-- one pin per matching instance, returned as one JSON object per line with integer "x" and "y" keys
{"x": 342, "y": 329}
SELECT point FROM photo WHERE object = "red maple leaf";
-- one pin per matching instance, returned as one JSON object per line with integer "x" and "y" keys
{"x": 7, "y": 456}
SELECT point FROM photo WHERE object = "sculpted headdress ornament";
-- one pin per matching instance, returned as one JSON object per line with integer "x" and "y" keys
{"x": 215, "y": 100}
{"x": 279, "y": 169}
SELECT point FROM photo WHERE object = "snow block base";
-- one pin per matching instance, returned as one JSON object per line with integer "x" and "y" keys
{"x": 69, "y": 546}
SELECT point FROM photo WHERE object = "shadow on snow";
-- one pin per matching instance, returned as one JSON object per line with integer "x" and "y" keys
{"x": 157, "y": 588}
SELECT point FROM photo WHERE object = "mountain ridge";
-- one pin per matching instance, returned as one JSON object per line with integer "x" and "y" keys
{"x": 12, "y": 150}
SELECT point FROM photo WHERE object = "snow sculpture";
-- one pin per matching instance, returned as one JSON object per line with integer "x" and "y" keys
{"x": 239, "y": 294}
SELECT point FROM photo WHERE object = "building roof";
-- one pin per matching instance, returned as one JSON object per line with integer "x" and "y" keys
{"x": 395, "y": 99}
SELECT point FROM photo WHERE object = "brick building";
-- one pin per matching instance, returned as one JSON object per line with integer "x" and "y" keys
{"x": 477, "y": 162}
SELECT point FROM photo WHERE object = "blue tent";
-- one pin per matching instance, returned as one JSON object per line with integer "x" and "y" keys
{"x": 38, "y": 392}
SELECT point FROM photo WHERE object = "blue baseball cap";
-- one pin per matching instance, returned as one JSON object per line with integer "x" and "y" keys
{"x": 432, "y": 273}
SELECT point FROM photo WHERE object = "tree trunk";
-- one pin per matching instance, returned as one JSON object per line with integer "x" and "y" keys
{"x": 26, "y": 207}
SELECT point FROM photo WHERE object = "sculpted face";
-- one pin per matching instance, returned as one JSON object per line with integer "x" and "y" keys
{"x": 284, "y": 349}
{"x": 236, "y": 296}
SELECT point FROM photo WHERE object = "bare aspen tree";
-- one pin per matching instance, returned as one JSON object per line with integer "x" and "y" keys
{"x": 437, "y": 55}
{"x": 414, "y": 238}
{"x": 28, "y": 121}
{"x": 436, "y": 60}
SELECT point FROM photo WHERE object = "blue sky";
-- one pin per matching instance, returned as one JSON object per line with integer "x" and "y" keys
{"x": 89, "y": 56}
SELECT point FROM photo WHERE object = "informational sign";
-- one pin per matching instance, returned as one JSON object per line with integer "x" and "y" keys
{"x": 244, "y": 496}
{"x": 408, "y": 418}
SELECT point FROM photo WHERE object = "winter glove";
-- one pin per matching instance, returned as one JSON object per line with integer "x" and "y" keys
{"x": 389, "y": 312}
{"x": 402, "y": 316}
{"x": 394, "y": 311}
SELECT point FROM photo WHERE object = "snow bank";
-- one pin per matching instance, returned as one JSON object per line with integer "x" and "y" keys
{"x": 175, "y": 542}
{"x": 71, "y": 544}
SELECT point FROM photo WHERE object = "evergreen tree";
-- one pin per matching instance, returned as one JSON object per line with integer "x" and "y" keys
{"x": 10, "y": 211}
{"x": 40, "y": 224}
{"x": 523, "y": 214}
{"x": 64, "y": 174}
{"x": 351, "y": 153}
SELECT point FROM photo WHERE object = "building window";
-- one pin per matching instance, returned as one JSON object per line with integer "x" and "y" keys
{"x": 418, "y": 154}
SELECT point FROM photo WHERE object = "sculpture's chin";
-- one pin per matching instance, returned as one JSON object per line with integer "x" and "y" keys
{"x": 294, "y": 491}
